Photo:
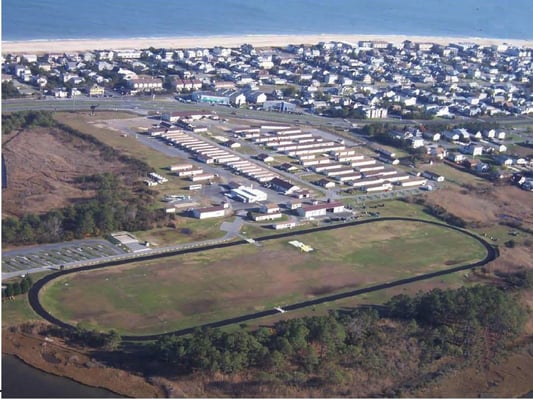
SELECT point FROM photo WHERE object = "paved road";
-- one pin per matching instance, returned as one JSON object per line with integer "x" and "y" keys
{"x": 491, "y": 254}
{"x": 231, "y": 229}
{"x": 162, "y": 103}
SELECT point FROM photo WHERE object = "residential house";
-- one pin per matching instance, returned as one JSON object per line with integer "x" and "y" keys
{"x": 283, "y": 186}
{"x": 456, "y": 157}
{"x": 237, "y": 98}
{"x": 473, "y": 149}
{"x": 264, "y": 157}
{"x": 433, "y": 136}
{"x": 438, "y": 152}
{"x": 326, "y": 183}
{"x": 503, "y": 160}
{"x": 96, "y": 91}
{"x": 416, "y": 142}
{"x": 146, "y": 84}
{"x": 256, "y": 97}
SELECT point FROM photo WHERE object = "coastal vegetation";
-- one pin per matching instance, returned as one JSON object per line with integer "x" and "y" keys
{"x": 388, "y": 351}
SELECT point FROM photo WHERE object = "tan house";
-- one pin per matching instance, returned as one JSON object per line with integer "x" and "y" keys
{"x": 146, "y": 84}
{"x": 96, "y": 91}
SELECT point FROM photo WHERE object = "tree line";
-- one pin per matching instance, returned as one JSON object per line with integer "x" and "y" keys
{"x": 114, "y": 207}
{"x": 25, "y": 119}
{"x": 402, "y": 340}
{"x": 9, "y": 90}
{"x": 22, "y": 286}
{"x": 80, "y": 334}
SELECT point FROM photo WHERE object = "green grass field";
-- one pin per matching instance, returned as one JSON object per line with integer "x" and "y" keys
{"x": 188, "y": 290}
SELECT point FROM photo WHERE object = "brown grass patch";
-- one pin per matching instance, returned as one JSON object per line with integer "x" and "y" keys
{"x": 42, "y": 164}
{"x": 488, "y": 207}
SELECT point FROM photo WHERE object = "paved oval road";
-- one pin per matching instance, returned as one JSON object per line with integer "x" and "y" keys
{"x": 491, "y": 254}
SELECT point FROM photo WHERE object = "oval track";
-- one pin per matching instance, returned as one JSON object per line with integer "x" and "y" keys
{"x": 491, "y": 254}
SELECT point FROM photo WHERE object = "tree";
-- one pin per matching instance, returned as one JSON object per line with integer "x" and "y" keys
{"x": 9, "y": 90}
{"x": 290, "y": 91}
{"x": 113, "y": 340}
{"x": 9, "y": 290}
{"x": 16, "y": 288}
{"x": 25, "y": 285}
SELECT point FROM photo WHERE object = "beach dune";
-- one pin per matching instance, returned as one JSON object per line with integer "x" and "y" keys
{"x": 259, "y": 41}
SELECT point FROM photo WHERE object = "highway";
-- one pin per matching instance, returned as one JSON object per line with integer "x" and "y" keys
{"x": 491, "y": 254}
{"x": 143, "y": 105}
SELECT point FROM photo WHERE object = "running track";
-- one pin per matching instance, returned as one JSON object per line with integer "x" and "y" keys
{"x": 491, "y": 254}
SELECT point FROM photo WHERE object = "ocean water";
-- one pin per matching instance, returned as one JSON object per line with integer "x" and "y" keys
{"x": 77, "y": 19}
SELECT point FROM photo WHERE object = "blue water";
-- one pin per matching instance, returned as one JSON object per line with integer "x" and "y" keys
{"x": 77, "y": 19}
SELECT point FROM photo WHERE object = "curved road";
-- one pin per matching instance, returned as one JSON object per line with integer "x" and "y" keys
{"x": 491, "y": 254}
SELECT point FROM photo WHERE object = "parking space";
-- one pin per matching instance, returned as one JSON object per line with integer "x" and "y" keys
{"x": 54, "y": 255}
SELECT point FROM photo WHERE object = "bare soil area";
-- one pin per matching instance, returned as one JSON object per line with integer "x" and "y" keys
{"x": 42, "y": 164}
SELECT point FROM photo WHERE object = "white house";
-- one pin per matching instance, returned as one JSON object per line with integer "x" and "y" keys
{"x": 433, "y": 136}
{"x": 474, "y": 150}
{"x": 283, "y": 186}
{"x": 416, "y": 142}
{"x": 256, "y": 98}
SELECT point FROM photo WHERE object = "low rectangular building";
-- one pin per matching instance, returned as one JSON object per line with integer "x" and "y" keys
{"x": 210, "y": 212}
{"x": 319, "y": 210}
{"x": 433, "y": 176}
{"x": 248, "y": 194}
{"x": 201, "y": 177}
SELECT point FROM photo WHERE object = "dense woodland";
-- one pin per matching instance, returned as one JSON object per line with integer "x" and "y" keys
{"x": 406, "y": 343}
{"x": 117, "y": 205}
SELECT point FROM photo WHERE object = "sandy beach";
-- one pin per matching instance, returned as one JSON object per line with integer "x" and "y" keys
{"x": 259, "y": 41}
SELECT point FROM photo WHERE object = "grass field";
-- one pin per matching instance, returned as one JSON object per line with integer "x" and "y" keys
{"x": 127, "y": 145}
{"x": 187, "y": 230}
{"x": 17, "y": 311}
{"x": 456, "y": 176}
{"x": 184, "y": 291}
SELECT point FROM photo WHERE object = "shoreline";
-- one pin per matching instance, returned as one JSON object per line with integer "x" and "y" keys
{"x": 50, "y": 371}
{"x": 73, "y": 364}
{"x": 40, "y": 46}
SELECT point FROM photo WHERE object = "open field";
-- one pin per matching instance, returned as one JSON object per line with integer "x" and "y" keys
{"x": 97, "y": 127}
{"x": 42, "y": 165}
{"x": 486, "y": 205}
{"x": 455, "y": 176}
{"x": 186, "y": 230}
{"x": 184, "y": 291}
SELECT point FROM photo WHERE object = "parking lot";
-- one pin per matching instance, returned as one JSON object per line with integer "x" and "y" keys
{"x": 55, "y": 255}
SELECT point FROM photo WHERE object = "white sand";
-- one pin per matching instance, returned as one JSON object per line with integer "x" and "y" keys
{"x": 59, "y": 46}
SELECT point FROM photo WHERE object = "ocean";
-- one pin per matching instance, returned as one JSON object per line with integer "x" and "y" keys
{"x": 97, "y": 19}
